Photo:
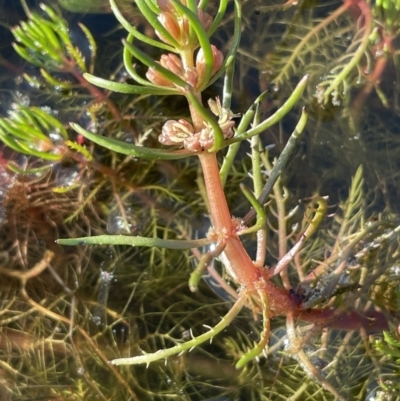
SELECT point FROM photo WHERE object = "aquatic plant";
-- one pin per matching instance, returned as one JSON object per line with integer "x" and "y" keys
{"x": 344, "y": 45}
{"x": 272, "y": 261}
{"x": 182, "y": 29}
{"x": 389, "y": 346}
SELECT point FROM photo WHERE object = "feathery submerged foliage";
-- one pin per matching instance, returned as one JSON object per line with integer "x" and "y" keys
{"x": 68, "y": 311}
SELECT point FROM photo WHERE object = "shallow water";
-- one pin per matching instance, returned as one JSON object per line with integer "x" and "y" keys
{"x": 93, "y": 304}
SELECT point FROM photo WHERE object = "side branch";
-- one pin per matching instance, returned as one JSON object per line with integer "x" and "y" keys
{"x": 196, "y": 341}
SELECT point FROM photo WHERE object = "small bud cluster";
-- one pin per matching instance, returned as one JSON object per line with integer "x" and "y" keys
{"x": 183, "y": 66}
{"x": 224, "y": 115}
{"x": 182, "y": 133}
{"x": 178, "y": 25}
{"x": 192, "y": 75}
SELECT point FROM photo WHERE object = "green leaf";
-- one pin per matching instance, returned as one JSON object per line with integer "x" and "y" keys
{"x": 131, "y": 150}
{"x": 130, "y": 66}
{"x": 218, "y": 18}
{"x": 16, "y": 169}
{"x": 26, "y": 55}
{"x": 151, "y": 18}
{"x": 277, "y": 116}
{"x": 49, "y": 122}
{"x": 230, "y": 57}
{"x": 121, "y": 87}
{"x": 53, "y": 81}
{"x": 76, "y": 55}
{"x": 10, "y": 142}
{"x": 30, "y": 130}
{"x": 135, "y": 241}
{"x": 37, "y": 153}
{"x": 92, "y": 46}
{"x": 45, "y": 42}
{"x": 150, "y": 62}
{"x": 133, "y": 31}
{"x": 46, "y": 29}
{"x": 280, "y": 164}
{"x": 22, "y": 131}
{"x": 194, "y": 342}
{"x": 203, "y": 4}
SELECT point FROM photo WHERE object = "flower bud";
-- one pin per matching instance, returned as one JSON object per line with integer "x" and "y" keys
{"x": 218, "y": 59}
{"x": 185, "y": 32}
{"x": 205, "y": 19}
{"x": 178, "y": 25}
{"x": 226, "y": 128}
{"x": 192, "y": 144}
{"x": 224, "y": 117}
{"x": 157, "y": 78}
{"x": 169, "y": 22}
{"x": 206, "y": 138}
{"x": 173, "y": 63}
{"x": 191, "y": 76}
{"x": 215, "y": 106}
{"x": 175, "y": 132}
{"x": 166, "y": 5}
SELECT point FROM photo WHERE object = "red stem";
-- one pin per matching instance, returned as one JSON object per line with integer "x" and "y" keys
{"x": 372, "y": 321}
{"x": 281, "y": 302}
{"x": 373, "y": 79}
{"x": 242, "y": 267}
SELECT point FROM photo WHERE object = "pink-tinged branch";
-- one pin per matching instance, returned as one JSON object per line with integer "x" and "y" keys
{"x": 372, "y": 321}
{"x": 237, "y": 259}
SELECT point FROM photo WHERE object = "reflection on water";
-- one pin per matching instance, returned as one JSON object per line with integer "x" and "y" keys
{"x": 60, "y": 326}
{"x": 102, "y": 296}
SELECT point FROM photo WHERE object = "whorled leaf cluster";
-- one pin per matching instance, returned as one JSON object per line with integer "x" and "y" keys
{"x": 61, "y": 324}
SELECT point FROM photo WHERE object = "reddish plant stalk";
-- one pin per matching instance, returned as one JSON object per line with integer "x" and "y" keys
{"x": 281, "y": 302}
{"x": 245, "y": 271}
{"x": 372, "y": 321}
{"x": 373, "y": 79}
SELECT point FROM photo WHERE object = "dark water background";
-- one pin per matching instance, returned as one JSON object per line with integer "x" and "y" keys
{"x": 122, "y": 296}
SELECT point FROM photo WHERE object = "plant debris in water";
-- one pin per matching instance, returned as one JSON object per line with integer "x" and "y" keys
{"x": 146, "y": 187}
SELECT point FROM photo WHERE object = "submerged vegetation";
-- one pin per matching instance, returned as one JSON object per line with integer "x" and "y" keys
{"x": 137, "y": 170}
